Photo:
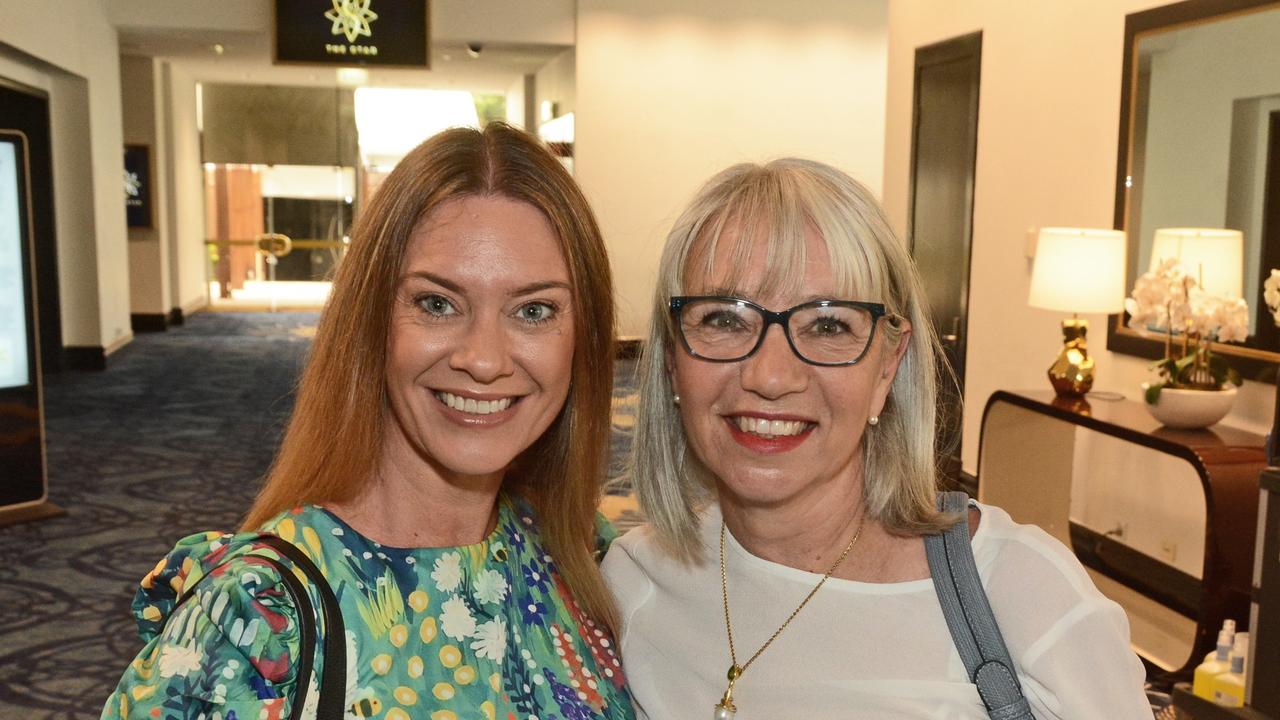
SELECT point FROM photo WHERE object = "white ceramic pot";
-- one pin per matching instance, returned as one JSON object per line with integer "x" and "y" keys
{"x": 1190, "y": 409}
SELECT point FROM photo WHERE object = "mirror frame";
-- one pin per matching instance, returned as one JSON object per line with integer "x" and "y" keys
{"x": 1252, "y": 363}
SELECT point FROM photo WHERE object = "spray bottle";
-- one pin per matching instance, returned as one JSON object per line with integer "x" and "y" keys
{"x": 1228, "y": 687}
{"x": 1202, "y": 685}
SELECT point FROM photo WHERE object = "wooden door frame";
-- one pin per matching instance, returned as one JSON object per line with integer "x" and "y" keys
{"x": 963, "y": 47}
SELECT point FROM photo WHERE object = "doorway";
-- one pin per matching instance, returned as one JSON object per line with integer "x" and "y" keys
{"x": 943, "y": 156}
{"x": 25, "y": 110}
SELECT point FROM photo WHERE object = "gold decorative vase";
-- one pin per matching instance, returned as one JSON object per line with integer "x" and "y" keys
{"x": 1071, "y": 374}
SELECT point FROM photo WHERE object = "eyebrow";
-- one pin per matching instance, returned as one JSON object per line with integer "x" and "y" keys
{"x": 450, "y": 285}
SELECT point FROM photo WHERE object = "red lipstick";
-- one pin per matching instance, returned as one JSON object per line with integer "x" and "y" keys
{"x": 767, "y": 446}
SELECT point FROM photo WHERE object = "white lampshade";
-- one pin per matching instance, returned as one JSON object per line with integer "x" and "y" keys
{"x": 1078, "y": 270}
{"x": 1214, "y": 257}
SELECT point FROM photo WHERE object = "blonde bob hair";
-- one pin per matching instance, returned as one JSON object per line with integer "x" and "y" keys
{"x": 778, "y": 201}
{"x": 330, "y": 450}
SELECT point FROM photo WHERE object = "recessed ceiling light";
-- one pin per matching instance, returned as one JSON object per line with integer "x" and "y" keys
{"x": 218, "y": 49}
{"x": 353, "y": 77}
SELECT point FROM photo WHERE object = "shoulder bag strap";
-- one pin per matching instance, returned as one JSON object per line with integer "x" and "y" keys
{"x": 332, "y": 684}
{"x": 969, "y": 617}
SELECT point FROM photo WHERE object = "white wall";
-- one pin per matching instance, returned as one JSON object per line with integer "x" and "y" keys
{"x": 516, "y": 101}
{"x": 670, "y": 92}
{"x": 556, "y": 83}
{"x": 144, "y": 120}
{"x": 1047, "y": 140}
{"x": 189, "y": 287}
{"x": 544, "y": 21}
{"x": 79, "y": 65}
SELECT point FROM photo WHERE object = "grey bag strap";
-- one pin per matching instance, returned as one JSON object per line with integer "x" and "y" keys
{"x": 969, "y": 617}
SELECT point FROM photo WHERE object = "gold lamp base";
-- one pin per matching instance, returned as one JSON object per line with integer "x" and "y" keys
{"x": 1071, "y": 374}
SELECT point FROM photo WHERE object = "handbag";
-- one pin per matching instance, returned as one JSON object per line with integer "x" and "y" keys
{"x": 969, "y": 617}
{"x": 332, "y": 683}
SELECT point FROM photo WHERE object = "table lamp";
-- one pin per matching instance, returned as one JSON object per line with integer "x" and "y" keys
{"x": 1077, "y": 270}
{"x": 1214, "y": 257}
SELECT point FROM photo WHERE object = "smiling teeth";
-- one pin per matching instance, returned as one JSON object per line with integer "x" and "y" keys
{"x": 770, "y": 428}
{"x": 473, "y": 406}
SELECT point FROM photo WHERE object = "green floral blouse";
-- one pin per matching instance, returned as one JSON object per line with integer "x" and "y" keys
{"x": 486, "y": 631}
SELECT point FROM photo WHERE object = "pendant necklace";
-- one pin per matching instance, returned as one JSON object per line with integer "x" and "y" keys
{"x": 725, "y": 709}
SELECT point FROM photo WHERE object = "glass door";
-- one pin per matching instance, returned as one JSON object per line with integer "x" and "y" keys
{"x": 277, "y": 233}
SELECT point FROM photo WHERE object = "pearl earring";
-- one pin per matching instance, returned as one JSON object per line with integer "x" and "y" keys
{"x": 675, "y": 398}
{"x": 873, "y": 420}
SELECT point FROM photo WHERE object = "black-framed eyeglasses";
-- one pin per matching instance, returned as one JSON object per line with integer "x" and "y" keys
{"x": 728, "y": 329}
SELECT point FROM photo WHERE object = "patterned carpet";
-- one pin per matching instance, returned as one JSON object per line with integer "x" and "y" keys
{"x": 172, "y": 438}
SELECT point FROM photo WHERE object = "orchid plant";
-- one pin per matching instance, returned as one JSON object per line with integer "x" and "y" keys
{"x": 1271, "y": 295}
{"x": 1169, "y": 299}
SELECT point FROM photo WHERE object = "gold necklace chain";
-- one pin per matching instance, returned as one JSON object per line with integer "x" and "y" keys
{"x": 725, "y": 709}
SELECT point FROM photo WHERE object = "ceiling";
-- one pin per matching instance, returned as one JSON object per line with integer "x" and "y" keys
{"x": 516, "y": 38}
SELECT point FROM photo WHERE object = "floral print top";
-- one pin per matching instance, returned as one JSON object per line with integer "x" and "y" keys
{"x": 487, "y": 631}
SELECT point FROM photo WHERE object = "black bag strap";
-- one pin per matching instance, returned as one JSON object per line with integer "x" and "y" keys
{"x": 333, "y": 682}
{"x": 969, "y": 617}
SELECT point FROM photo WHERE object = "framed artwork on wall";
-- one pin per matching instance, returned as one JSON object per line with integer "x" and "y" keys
{"x": 137, "y": 186}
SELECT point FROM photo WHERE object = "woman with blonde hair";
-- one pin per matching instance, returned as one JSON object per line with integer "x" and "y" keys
{"x": 788, "y": 476}
{"x": 441, "y": 471}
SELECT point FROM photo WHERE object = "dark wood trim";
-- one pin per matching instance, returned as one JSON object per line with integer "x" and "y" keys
{"x": 1193, "y": 706}
{"x": 176, "y": 317}
{"x": 1213, "y": 601}
{"x": 148, "y": 322}
{"x": 960, "y": 49}
{"x": 952, "y": 50}
{"x": 1266, "y": 631}
{"x": 627, "y": 349}
{"x": 1073, "y": 418}
{"x": 84, "y": 357}
{"x": 1261, "y": 369}
{"x": 1268, "y": 335}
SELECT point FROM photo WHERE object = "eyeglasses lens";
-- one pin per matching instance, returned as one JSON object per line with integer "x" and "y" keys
{"x": 729, "y": 330}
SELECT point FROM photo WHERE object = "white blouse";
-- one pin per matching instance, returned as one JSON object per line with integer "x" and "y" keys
{"x": 866, "y": 650}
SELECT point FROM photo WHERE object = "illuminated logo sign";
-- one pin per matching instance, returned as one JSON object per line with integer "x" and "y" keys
{"x": 137, "y": 185}
{"x": 351, "y": 18}
{"x": 342, "y": 32}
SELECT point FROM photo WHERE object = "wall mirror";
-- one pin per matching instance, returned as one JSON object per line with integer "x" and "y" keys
{"x": 1200, "y": 147}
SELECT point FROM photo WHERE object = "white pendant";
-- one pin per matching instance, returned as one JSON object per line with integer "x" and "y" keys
{"x": 724, "y": 713}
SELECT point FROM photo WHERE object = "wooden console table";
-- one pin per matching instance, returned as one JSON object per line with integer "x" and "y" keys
{"x": 1164, "y": 520}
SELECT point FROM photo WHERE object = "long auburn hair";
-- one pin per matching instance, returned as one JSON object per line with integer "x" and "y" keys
{"x": 331, "y": 447}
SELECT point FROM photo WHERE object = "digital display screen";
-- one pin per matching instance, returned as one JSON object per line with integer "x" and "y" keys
{"x": 14, "y": 352}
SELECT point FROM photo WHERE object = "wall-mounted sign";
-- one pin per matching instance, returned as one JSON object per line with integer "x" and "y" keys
{"x": 137, "y": 185}
{"x": 385, "y": 33}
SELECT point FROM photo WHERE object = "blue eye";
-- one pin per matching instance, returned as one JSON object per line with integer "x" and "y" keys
{"x": 437, "y": 305}
{"x": 536, "y": 312}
